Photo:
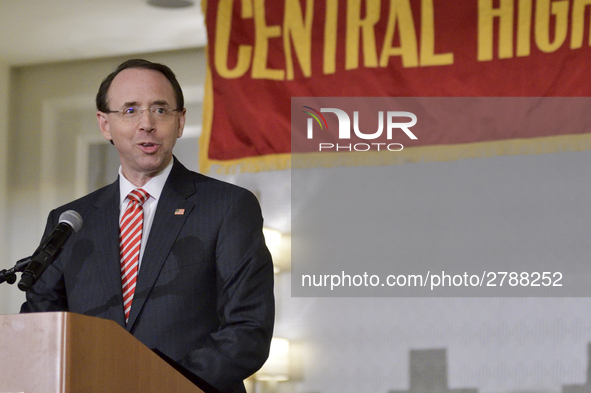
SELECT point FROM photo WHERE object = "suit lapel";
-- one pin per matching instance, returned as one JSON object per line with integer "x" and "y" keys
{"x": 106, "y": 233}
{"x": 163, "y": 234}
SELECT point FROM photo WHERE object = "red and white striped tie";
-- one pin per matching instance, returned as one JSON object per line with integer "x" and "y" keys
{"x": 130, "y": 240}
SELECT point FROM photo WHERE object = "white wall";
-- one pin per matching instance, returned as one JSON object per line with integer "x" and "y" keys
{"x": 5, "y": 262}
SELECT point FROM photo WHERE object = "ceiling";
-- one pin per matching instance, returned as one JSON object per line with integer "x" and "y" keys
{"x": 40, "y": 31}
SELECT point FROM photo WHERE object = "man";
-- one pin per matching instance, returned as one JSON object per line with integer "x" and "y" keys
{"x": 176, "y": 258}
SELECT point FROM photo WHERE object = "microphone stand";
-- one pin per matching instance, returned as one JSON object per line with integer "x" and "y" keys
{"x": 10, "y": 275}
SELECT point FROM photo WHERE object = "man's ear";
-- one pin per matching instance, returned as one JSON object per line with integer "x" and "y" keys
{"x": 103, "y": 123}
{"x": 182, "y": 118}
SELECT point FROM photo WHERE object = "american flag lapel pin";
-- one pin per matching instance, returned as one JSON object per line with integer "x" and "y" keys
{"x": 179, "y": 212}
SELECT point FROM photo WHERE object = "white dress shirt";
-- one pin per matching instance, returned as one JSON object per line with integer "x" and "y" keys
{"x": 154, "y": 187}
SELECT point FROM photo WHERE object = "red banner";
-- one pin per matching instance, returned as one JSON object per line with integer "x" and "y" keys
{"x": 263, "y": 53}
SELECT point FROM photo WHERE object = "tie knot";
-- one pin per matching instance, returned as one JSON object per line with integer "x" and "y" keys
{"x": 138, "y": 195}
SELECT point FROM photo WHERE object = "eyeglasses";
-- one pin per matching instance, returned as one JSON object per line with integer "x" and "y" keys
{"x": 134, "y": 114}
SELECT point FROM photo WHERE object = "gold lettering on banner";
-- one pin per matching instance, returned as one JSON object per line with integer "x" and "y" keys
{"x": 297, "y": 29}
{"x": 524, "y": 28}
{"x": 401, "y": 14}
{"x": 262, "y": 34}
{"x": 330, "y": 37}
{"x": 223, "y": 28}
{"x": 548, "y": 20}
{"x": 486, "y": 18}
{"x": 361, "y": 28}
{"x": 295, "y": 33}
{"x": 578, "y": 23}
{"x": 559, "y": 10}
{"x": 505, "y": 29}
{"x": 427, "y": 53}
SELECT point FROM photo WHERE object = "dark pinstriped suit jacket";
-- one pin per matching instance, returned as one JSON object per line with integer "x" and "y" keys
{"x": 204, "y": 294}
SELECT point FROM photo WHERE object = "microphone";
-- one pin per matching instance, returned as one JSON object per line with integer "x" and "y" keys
{"x": 69, "y": 222}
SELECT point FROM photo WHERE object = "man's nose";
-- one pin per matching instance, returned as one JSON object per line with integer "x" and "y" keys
{"x": 146, "y": 121}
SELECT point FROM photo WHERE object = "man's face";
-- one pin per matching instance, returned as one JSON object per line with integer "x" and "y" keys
{"x": 145, "y": 143}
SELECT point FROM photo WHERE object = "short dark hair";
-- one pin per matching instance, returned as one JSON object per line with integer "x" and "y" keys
{"x": 101, "y": 96}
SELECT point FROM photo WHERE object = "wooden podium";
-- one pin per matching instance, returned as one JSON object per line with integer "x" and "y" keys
{"x": 72, "y": 353}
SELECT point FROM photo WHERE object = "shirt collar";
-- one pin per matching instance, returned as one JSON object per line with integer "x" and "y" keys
{"x": 153, "y": 187}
